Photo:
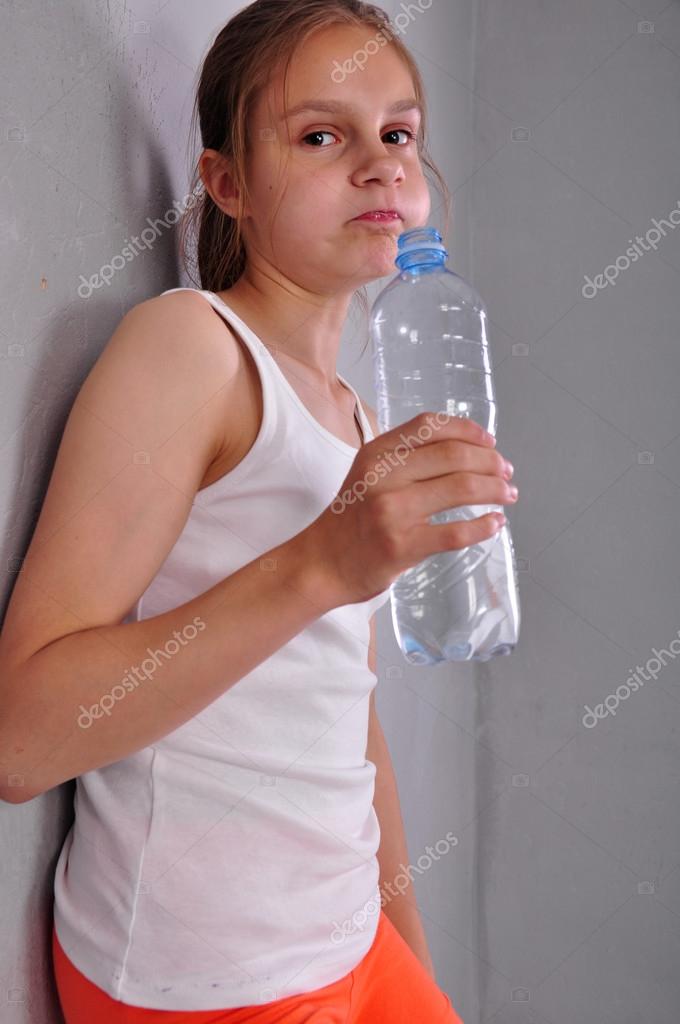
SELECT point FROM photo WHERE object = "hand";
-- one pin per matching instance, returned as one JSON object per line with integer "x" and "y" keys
{"x": 378, "y": 526}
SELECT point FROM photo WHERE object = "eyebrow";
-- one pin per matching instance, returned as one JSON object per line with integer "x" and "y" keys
{"x": 337, "y": 107}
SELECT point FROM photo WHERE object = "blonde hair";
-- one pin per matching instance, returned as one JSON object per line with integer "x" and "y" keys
{"x": 238, "y": 66}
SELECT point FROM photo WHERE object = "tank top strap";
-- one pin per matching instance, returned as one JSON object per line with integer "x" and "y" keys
{"x": 249, "y": 336}
{"x": 363, "y": 419}
{"x": 267, "y": 365}
{"x": 262, "y": 357}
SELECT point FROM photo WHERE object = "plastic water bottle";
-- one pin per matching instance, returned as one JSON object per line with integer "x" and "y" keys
{"x": 430, "y": 353}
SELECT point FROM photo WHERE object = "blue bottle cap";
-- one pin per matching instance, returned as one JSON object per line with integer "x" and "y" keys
{"x": 423, "y": 240}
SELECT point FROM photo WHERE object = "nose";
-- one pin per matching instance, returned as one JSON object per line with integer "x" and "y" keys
{"x": 379, "y": 166}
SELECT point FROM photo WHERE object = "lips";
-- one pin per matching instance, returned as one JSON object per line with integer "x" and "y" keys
{"x": 380, "y": 215}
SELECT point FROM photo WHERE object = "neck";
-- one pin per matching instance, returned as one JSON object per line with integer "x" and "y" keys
{"x": 297, "y": 327}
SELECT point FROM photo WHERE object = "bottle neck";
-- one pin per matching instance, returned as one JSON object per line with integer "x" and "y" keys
{"x": 421, "y": 261}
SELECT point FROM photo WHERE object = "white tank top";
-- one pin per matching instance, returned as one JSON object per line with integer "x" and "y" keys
{"x": 233, "y": 862}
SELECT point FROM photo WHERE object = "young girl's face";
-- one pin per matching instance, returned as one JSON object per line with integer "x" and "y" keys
{"x": 323, "y": 169}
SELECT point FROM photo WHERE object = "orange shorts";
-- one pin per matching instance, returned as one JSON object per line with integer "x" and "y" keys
{"x": 389, "y": 986}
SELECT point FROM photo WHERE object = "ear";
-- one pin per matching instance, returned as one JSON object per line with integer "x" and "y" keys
{"x": 216, "y": 173}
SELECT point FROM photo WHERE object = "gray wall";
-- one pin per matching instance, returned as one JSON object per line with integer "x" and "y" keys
{"x": 560, "y": 903}
{"x": 556, "y": 125}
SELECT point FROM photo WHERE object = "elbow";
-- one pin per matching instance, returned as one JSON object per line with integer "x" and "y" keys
{"x": 19, "y": 783}
{"x": 16, "y": 793}
{"x": 16, "y": 785}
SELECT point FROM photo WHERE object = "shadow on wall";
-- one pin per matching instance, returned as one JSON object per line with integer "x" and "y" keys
{"x": 96, "y": 115}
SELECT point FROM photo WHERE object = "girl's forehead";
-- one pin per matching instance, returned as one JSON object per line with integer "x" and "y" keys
{"x": 314, "y": 61}
{"x": 303, "y": 91}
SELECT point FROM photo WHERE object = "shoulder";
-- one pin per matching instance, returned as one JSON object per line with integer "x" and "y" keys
{"x": 174, "y": 366}
{"x": 176, "y": 312}
{"x": 180, "y": 333}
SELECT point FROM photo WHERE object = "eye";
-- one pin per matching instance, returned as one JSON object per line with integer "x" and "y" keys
{"x": 406, "y": 131}
{"x": 411, "y": 136}
{"x": 311, "y": 135}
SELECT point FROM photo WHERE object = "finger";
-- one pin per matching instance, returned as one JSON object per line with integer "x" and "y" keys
{"x": 455, "y": 490}
{"x": 425, "y": 541}
{"x": 428, "y": 427}
{"x": 454, "y": 456}
{"x": 432, "y": 461}
{"x": 418, "y": 459}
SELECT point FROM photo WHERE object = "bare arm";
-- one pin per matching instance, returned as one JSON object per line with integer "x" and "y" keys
{"x": 108, "y": 521}
{"x": 55, "y": 726}
{"x": 395, "y": 883}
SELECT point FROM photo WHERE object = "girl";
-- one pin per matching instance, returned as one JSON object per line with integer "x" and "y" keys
{"x": 237, "y": 822}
